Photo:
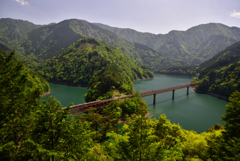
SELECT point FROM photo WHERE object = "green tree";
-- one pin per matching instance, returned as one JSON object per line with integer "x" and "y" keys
{"x": 146, "y": 139}
{"x": 232, "y": 128}
{"x": 17, "y": 103}
{"x": 57, "y": 135}
{"x": 102, "y": 123}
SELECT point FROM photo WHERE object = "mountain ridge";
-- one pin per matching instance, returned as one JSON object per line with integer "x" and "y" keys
{"x": 47, "y": 41}
{"x": 186, "y": 44}
{"x": 176, "y": 48}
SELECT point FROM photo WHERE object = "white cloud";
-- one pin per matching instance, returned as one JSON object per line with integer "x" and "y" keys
{"x": 235, "y": 14}
{"x": 22, "y": 2}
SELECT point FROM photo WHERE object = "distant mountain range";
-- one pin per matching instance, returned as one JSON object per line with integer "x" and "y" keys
{"x": 177, "y": 48}
{"x": 193, "y": 46}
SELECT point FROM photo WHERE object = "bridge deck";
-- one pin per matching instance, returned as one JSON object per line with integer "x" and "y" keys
{"x": 102, "y": 103}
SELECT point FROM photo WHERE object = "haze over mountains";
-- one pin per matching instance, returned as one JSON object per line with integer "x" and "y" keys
{"x": 177, "y": 48}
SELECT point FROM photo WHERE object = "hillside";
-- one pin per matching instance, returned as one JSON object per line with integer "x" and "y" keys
{"x": 11, "y": 29}
{"x": 221, "y": 74}
{"x": 29, "y": 78}
{"x": 87, "y": 59}
{"x": 47, "y": 41}
{"x": 193, "y": 46}
{"x": 156, "y": 52}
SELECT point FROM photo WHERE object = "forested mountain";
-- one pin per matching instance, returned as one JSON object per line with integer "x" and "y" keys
{"x": 47, "y": 41}
{"x": 193, "y": 46}
{"x": 177, "y": 48}
{"x": 88, "y": 58}
{"x": 221, "y": 74}
{"x": 11, "y": 29}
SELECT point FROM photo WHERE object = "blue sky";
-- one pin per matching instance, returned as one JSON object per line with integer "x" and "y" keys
{"x": 154, "y": 16}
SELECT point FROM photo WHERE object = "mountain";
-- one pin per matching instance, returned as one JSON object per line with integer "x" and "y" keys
{"x": 193, "y": 46}
{"x": 47, "y": 41}
{"x": 156, "y": 52}
{"x": 11, "y": 29}
{"x": 82, "y": 62}
{"x": 221, "y": 74}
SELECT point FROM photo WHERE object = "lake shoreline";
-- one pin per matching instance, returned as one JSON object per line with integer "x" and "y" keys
{"x": 46, "y": 93}
{"x": 219, "y": 96}
{"x": 182, "y": 75}
{"x": 75, "y": 85}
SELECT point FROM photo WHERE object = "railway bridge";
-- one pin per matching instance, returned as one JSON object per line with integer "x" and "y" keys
{"x": 80, "y": 108}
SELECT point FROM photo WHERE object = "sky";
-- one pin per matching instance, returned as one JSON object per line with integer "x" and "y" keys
{"x": 153, "y": 16}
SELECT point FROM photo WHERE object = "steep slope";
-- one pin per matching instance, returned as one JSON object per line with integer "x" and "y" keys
{"x": 48, "y": 41}
{"x": 11, "y": 29}
{"x": 193, "y": 46}
{"x": 224, "y": 58}
{"x": 221, "y": 74}
{"x": 45, "y": 42}
{"x": 87, "y": 59}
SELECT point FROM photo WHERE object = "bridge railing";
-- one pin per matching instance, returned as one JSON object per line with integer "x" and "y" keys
{"x": 101, "y": 103}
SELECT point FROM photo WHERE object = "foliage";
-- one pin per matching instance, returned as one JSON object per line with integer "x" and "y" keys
{"x": 129, "y": 106}
{"x": 107, "y": 119}
{"x": 146, "y": 139}
{"x": 57, "y": 135}
{"x": 111, "y": 80}
{"x": 189, "y": 71}
{"x": 20, "y": 88}
{"x": 223, "y": 81}
{"x": 33, "y": 131}
{"x": 232, "y": 126}
{"x": 221, "y": 76}
{"x": 102, "y": 123}
{"x": 215, "y": 127}
{"x": 88, "y": 60}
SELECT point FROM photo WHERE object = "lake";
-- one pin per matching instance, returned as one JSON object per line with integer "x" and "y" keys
{"x": 195, "y": 111}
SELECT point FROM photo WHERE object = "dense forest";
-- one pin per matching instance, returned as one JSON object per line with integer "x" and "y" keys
{"x": 87, "y": 59}
{"x": 31, "y": 130}
{"x": 156, "y": 52}
{"x": 220, "y": 75}
{"x": 31, "y": 79}
{"x": 40, "y": 43}
{"x": 89, "y": 62}
{"x": 190, "y": 71}
{"x": 192, "y": 46}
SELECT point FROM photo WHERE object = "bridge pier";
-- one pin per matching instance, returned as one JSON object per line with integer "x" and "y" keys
{"x": 154, "y": 99}
{"x": 187, "y": 90}
{"x": 173, "y": 94}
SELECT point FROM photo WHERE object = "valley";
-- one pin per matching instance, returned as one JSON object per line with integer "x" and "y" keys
{"x": 87, "y": 62}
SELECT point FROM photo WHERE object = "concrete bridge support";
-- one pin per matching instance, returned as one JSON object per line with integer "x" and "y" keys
{"x": 187, "y": 90}
{"x": 154, "y": 99}
{"x": 173, "y": 94}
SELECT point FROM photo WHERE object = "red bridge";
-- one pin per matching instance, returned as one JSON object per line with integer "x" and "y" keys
{"x": 102, "y": 103}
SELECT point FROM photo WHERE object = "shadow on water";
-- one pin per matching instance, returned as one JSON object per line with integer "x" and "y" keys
{"x": 167, "y": 100}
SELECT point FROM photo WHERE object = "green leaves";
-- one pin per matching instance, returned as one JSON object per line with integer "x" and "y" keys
{"x": 19, "y": 95}
{"x": 140, "y": 140}
{"x": 59, "y": 134}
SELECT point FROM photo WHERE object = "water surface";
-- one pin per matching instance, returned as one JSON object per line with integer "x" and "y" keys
{"x": 195, "y": 111}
